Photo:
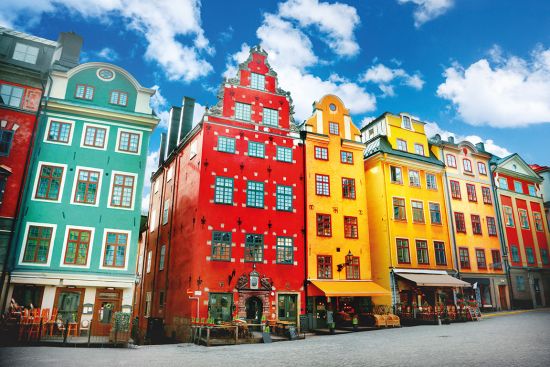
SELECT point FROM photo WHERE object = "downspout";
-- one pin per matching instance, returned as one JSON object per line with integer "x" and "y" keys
{"x": 393, "y": 283}
{"x": 158, "y": 228}
{"x": 305, "y": 233}
{"x": 451, "y": 222}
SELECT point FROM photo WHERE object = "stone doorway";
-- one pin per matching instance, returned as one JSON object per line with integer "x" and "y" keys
{"x": 254, "y": 310}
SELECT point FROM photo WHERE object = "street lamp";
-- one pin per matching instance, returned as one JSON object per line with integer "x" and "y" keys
{"x": 348, "y": 261}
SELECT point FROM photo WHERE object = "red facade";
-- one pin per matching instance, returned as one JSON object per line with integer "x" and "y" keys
{"x": 206, "y": 204}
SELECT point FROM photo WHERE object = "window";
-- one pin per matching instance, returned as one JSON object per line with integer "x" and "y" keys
{"x": 37, "y": 246}
{"x": 503, "y": 183}
{"x": 491, "y": 226}
{"x": 128, "y": 142}
{"x": 334, "y": 128}
{"x": 122, "y": 194}
{"x": 284, "y": 154}
{"x": 285, "y": 250}
{"x": 323, "y": 225}
{"x": 346, "y": 157}
{"x": 84, "y": 92}
{"x": 254, "y": 248}
{"x": 223, "y": 191}
{"x": 440, "y": 258}
{"x": 149, "y": 259}
{"x": 403, "y": 255}
{"x": 431, "y": 182}
{"x": 508, "y": 216}
{"x": 221, "y": 246}
{"x": 119, "y": 98}
{"x": 467, "y": 164}
{"x": 399, "y": 209}
{"x": 406, "y": 122}
{"x": 414, "y": 178}
{"x": 352, "y": 269}
{"x": 165, "y": 211}
{"x": 544, "y": 256}
{"x": 255, "y": 194}
{"x": 3, "y": 182}
{"x": 464, "y": 258}
{"x": 348, "y": 188}
{"x": 49, "y": 182}
{"x": 161, "y": 299}
{"x": 538, "y": 221}
{"x": 115, "y": 250}
{"x": 86, "y": 186}
{"x": 480, "y": 256}
{"x": 59, "y": 132}
{"x": 94, "y": 137}
{"x": 455, "y": 190}
{"x": 476, "y": 224}
{"x": 435, "y": 213}
{"x": 153, "y": 221}
{"x": 518, "y": 187}
{"x": 401, "y": 145}
{"x": 324, "y": 267}
{"x": 350, "y": 227}
{"x": 284, "y": 198}
{"x": 321, "y": 153}
{"x": 497, "y": 262}
{"x": 256, "y": 149}
{"x": 417, "y": 211}
{"x": 422, "y": 252}
{"x": 531, "y": 189}
{"x": 25, "y": 53}
{"x": 515, "y": 253}
{"x": 11, "y": 95}
{"x": 520, "y": 280}
{"x": 226, "y": 144}
{"x": 270, "y": 117}
{"x": 242, "y": 111}
{"x": 257, "y": 81}
{"x": 419, "y": 149}
{"x": 471, "y": 189}
{"x": 76, "y": 249}
{"x": 395, "y": 175}
{"x": 6, "y": 138}
{"x": 322, "y": 185}
{"x": 523, "y": 219}
{"x": 460, "y": 222}
{"x": 530, "y": 255}
{"x": 162, "y": 257}
{"x": 486, "y": 193}
{"x": 451, "y": 160}
{"x": 482, "y": 168}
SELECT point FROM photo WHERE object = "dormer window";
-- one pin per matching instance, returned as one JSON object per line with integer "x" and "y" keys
{"x": 84, "y": 92}
{"x": 119, "y": 98}
{"x": 401, "y": 145}
{"x": 406, "y": 122}
{"x": 419, "y": 149}
{"x": 25, "y": 53}
{"x": 257, "y": 81}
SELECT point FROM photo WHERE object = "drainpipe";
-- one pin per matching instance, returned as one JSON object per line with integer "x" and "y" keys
{"x": 450, "y": 215}
{"x": 393, "y": 282}
{"x": 304, "y": 193}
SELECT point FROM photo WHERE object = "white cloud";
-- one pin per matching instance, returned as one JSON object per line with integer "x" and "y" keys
{"x": 108, "y": 54}
{"x": 366, "y": 120}
{"x": 383, "y": 76}
{"x": 427, "y": 10}
{"x": 162, "y": 23}
{"x": 234, "y": 60}
{"x": 150, "y": 167}
{"x": 433, "y": 128}
{"x": 337, "y": 21}
{"x": 510, "y": 92}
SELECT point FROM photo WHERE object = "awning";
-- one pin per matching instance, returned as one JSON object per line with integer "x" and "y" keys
{"x": 434, "y": 280}
{"x": 347, "y": 288}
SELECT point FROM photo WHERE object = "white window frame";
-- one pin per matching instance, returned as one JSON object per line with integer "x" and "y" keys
{"x": 75, "y": 180}
{"x": 119, "y": 132}
{"x": 410, "y": 128}
{"x": 162, "y": 257}
{"x": 149, "y": 259}
{"x": 27, "y": 47}
{"x": 63, "y": 251}
{"x": 153, "y": 222}
{"x": 37, "y": 177}
{"x": 24, "y": 243}
{"x": 166, "y": 211}
{"x": 113, "y": 173}
{"x": 71, "y": 133}
{"x": 104, "y": 242}
{"x": 397, "y": 141}
{"x": 421, "y": 146}
{"x": 83, "y": 137}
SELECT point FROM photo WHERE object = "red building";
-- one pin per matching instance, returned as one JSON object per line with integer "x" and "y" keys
{"x": 226, "y": 222}
{"x": 525, "y": 231}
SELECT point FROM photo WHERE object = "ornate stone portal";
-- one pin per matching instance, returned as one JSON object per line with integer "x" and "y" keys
{"x": 253, "y": 285}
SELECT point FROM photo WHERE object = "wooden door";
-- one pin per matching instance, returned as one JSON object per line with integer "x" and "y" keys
{"x": 69, "y": 303}
{"x": 287, "y": 307}
{"x": 502, "y": 296}
{"x": 107, "y": 302}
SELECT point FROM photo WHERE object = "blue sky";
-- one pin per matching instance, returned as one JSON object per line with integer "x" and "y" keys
{"x": 479, "y": 69}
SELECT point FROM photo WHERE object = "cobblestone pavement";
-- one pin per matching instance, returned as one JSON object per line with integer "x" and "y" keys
{"x": 508, "y": 340}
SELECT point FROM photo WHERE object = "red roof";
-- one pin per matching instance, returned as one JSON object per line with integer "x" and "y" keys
{"x": 537, "y": 168}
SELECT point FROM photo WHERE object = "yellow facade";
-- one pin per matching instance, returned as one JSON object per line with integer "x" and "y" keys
{"x": 392, "y": 146}
{"x": 343, "y": 136}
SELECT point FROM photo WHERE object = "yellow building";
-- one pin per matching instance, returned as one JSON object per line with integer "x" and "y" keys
{"x": 473, "y": 220}
{"x": 410, "y": 245}
{"x": 338, "y": 252}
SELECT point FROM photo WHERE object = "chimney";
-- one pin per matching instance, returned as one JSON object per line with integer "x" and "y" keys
{"x": 162, "y": 152}
{"x": 451, "y": 139}
{"x": 67, "y": 54}
{"x": 175, "y": 113}
{"x": 186, "y": 118}
{"x": 480, "y": 146}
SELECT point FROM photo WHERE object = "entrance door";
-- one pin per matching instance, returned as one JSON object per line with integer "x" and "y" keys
{"x": 68, "y": 303}
{"x": 254, "y": 310}
{"x": 502, "y": 296}
{"x": 538, "y": 298}
{"x": 107, "y": 302}
{"x": 220, "y": 306}
{"x": 287, "y": 307}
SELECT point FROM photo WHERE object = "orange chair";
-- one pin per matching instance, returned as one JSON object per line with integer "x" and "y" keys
{"x": 72, "y": 328}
